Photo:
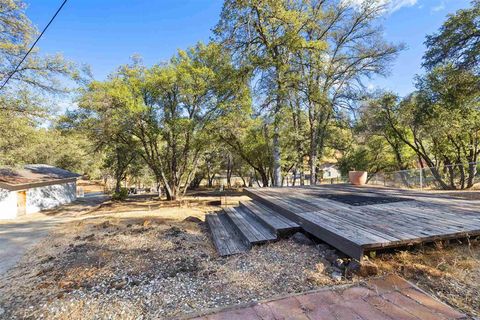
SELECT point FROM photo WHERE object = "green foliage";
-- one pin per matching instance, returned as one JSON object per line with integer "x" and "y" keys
{"x": 457, "y": 42}
{"x": 120, "y": 195}
{"x": 162, "y": 114}
{"x": 40, "y": 73}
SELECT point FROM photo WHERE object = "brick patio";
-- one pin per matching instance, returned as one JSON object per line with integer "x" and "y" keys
{"x": 390, "y": 297}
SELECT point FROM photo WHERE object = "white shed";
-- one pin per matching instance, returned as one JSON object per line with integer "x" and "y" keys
{"x": 330, "y": 171}
{"x": 35, "y": 188}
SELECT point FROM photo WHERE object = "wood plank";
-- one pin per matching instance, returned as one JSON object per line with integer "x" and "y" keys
{"x": 225, "y": 239}
{"x": 427, "y": 217}
{"x": 251, "y": 230}
{"x": 277, "y": 223}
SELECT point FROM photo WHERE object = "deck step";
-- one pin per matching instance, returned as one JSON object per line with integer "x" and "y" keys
{"x": 252, "y": 231}
{"x": 224, "y": 236}
{"x": 272, "y": 220}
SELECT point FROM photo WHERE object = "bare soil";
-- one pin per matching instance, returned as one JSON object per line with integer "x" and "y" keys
{"x": 139, "y": 259}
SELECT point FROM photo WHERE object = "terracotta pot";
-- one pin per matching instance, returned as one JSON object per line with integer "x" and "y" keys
{"x": 357, "y": 178}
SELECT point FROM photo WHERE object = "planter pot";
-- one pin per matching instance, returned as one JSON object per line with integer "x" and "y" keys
{"x": 357, "y": 178}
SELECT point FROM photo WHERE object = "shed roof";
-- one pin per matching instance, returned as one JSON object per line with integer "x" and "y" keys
{"x": 33, "y": 175}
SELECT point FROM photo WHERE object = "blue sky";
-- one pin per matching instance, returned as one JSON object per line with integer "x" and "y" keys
{"x": 105, "y": 33}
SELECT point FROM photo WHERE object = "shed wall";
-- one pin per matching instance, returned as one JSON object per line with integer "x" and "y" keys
{"x": 48, "y": 197}
{"x": 8, "y": 204}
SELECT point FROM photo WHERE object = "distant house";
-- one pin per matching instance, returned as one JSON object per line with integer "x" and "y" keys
{"x": 35, "y": 188}
{"x": 329, "y": 171}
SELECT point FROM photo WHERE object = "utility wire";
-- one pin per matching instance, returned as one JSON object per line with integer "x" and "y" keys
{"x": 33, "y": 45}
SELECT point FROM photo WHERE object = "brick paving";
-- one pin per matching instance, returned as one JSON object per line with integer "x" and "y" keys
{"x": 390, "y": 298}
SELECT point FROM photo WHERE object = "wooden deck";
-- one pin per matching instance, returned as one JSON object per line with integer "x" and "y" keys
{"x": 411, "y": 217}
{"x": 236, "y": 230}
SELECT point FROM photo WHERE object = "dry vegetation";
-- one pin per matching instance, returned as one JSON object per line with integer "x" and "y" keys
{"x": 141, "y": 259}
{"x": 450, "y": 272}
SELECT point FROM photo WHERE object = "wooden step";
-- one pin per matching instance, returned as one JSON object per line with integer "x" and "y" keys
{"x": 224, "y": 236}
{"x": 274, "y": 221}
{"x": 252, "y": 231}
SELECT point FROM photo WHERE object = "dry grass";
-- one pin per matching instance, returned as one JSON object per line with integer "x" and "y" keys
{"x": 139, "y": 259}
{"x": 91, "y": 186}
{"x": 450, "y": 272}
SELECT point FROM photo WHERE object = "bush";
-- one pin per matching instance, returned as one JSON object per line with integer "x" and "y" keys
{"x": 122, "y": 195}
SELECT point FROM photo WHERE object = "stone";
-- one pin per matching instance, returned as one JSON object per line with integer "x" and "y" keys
{"x": 192, "y": 219}
{"x": 300, "y": 238}
{"x": 365, "y": 268}
{"x": 2, "y": 311}
{"x": 336, "y": 276}
{"x": 119, "y": 285}
{"x": 174, "y": 231}
{"x": 105, "y": 224}
{"x": 331, "y": 256}
{"x": 89, "y": 237}
{"x": 339, "y": 263}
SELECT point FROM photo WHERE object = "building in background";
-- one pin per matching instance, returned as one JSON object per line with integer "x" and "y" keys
{"x": 35, "y": 188}
{"x": 329, "y": 171}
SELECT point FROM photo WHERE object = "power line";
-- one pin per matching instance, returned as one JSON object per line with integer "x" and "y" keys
{"x": 33, "y": 45}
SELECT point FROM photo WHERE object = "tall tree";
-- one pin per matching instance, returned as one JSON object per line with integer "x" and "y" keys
{"x": 173, "y": 107}
{"x": 331, "y": 78}
{"x": 103, "y": 116}
{"x": 457, "y": 42}
{"x": 36, "y": 72}
{"x": 264, "y": 34}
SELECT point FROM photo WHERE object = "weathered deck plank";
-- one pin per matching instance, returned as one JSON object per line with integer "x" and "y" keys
{"x": 225, "y": 239}
{"x": 269, "y": 218}
{"x": 424, "y": 217}
{"x": 248, "y": 227}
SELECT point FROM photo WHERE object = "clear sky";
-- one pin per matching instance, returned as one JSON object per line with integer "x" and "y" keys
{"x": 105, "y": 33}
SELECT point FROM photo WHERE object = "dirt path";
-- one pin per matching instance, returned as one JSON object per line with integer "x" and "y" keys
{"x": 17, "y": 236}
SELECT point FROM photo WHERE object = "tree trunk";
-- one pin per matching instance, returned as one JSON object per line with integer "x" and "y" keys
{"x": 277, "y": 169}
{"x": 229, "y": 170}
{"x": 313, "y": 166}
{"x": 472, "y": 172}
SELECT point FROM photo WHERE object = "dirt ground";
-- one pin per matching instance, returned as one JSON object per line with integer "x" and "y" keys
{"x": 451, "y": 272}
{"x": 140, "y": 259}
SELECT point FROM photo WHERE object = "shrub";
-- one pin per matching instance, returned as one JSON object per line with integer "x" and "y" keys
{"x": 122, "y": 195}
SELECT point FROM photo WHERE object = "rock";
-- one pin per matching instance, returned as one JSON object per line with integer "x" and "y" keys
{"x": 89, "y": 237}
{"x": 2, "y": 311}
{"x": 339, "y": 263}
{"x": 193, "y": 219}
{"x": 174, "y": 232}
{"x": 135, "y": 282}
{"x": 331, "y": 256}
{"x": 300, "y": 238}
{"x": 118, "y": 285}
{"x": 105, "y": 224}
{"x": 365, "y": 268}
{"x": 336, "y": 275}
